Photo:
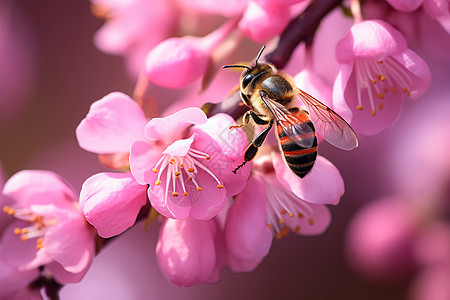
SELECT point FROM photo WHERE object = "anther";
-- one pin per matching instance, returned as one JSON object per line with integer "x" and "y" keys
{"x": 175, "y": 194}
{"x": 157, "y": 182}
{"x": 310, "y": 221}
{"x": 300, "y": 215}
{"x": 177, "y": 173}
{"x": 220, "y": 186}
{"x": 199, "y": 188}
{"x": 291, "y": 214}
{"x": 283, "y": 211}
{"x": 380, "y": 96}
{"x": 184, "y": 193}
{"x": 284, "y": 231}
{"x": 296, "y": 229}
{"x": 17, "y": 231}
{"x": 39, "y": 243}
{"x": 380, "y": 106}
{"x": 373, "y": 81}
{"x": 281, "y": 220}
{"x": 191, "y": 170}
{"x": 155, "y": 170}
{"x": 393, "y": 89}
{"x": 359, "y": 107}
{"x": 373, "y": 112}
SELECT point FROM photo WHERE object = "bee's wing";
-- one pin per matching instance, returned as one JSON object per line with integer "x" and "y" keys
{"x": 296, "y": 130}
{"x": 332, "y": 127}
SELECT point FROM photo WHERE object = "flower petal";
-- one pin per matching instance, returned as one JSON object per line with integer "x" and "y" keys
{"x": 201, "y": 205}
{"x": 263, "y": 22}
{"x": 143, "y": 158}
{"x": 62, "y": 275}
{"x": 373, "y": 39}
{"x": 419, "y": 71}
{"x": 406, "y": 6}
{"x": 363, "y": 121}
{"x": 111, "y": 202}
{"x": 169, "y": 128}
{"x": 226, "y": 148}
{"x": 30, "y": 187}
{"x": 247, "y": 236}
{"x": 322, "y": 185}
{"x": 112, "y": 125}
{"x": 186, "y": 251}
{"x": 70, "y": 242}
{"x": 321, "y": 217}
{"x": 185, "y": 55}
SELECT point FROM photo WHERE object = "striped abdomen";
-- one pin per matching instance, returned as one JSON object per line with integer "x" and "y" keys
{"x": 300, "y": 155}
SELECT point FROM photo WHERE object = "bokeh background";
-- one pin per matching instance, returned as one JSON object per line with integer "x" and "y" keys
{"x": 58, "y": 73}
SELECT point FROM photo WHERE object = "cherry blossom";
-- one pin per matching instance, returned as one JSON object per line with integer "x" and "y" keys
{"x": 49, "y": 228}
{"x": 275, "y": 202}
{"x": 376, "y": 70}
{"x": 184, "y": 166}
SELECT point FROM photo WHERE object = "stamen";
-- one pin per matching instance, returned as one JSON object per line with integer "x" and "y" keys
{"x": 376, "y": 79}
{"x": 209, "y": 172}
{"x": 281, "y": 202}
{"x": 175, "y": 166}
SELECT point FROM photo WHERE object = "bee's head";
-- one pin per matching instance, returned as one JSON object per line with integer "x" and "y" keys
{"x": 252, "y": 72}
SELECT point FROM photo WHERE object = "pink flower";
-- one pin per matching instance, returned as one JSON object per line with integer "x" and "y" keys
{"x": 49, "y": 230}
{"x": 277, "y": 201}
{"x": 262, "y": 21}
{"x": 376, "y": 68}
{"x": 191, "y": 251}
{"x": 179, "y": 62}
{"x": 185, "y": 166}
{"x": 132, "y": 28}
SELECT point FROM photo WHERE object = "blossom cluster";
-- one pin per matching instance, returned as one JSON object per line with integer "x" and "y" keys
{"x": 178, "y": 161}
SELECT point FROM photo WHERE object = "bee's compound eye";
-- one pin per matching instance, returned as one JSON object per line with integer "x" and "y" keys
{"x": 247, "y": 79}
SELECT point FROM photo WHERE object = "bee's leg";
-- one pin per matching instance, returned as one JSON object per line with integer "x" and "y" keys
{"x": 252, "y": 149}
{"x": 245, "y": 118}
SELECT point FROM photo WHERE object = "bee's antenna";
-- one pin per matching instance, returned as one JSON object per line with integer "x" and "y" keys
{"x": 237, "y": 66}
{"x": 259, "y": 54}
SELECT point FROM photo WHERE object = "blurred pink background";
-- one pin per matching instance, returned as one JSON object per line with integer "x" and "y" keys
{"x": 69, "y": 73}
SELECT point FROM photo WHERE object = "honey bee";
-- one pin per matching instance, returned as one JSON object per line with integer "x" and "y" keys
{"x": 270, "y": 95}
